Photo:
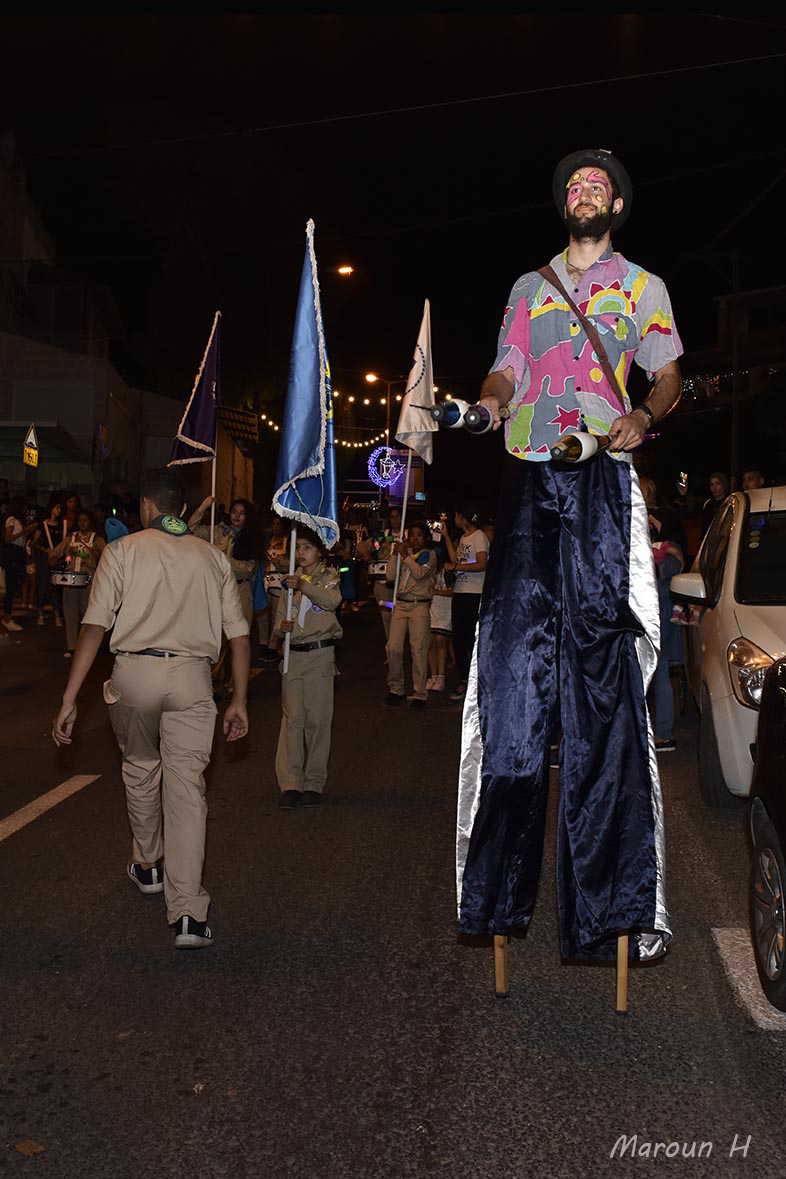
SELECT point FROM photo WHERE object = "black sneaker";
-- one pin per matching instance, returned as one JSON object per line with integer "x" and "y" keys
{"x": 460, "y": 692}
{"x": 191, "y": 934}
{"x": 147, "y": 880}
{"x": 311, "y": 798}
{"x": 666, "y": 746}
{"x": 416, "y": 705}
{"x": 393, "y": 700}
{"x": 289, "y": 800}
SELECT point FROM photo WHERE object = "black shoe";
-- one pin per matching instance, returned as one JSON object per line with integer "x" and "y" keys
{"x": 460, "y": 692}
{"x": 289, "y": 800}
{"x": 311, "y": 798}
{"x": 667, "y": 745}
{"x": 417, "y": 705}
{"x": 393, "y": 700}
{"x": 554, "y": 757}
{"x": 147, "y": 880}
{"x": 268, "y": 655}
{"x": 191, "y": 934}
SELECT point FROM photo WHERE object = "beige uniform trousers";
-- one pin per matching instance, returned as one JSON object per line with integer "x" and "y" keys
{"x": 304, "y": 737}
{"x": 413, "y": 619}
{"x": 75, "y": 599}
{"x": 163, "y": 716}
{"x": 384, "y": 593}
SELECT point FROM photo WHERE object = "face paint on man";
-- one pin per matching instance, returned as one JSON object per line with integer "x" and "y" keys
{"x": 588, "y": 201}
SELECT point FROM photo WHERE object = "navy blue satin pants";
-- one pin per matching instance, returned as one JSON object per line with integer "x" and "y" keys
{"x": 557, "y": 635}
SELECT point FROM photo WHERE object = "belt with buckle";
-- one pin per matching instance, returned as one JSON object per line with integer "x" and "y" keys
{"x": 152, "y": 651}
{"x": 312, "y": 646}
{"x": 401, "y": 598}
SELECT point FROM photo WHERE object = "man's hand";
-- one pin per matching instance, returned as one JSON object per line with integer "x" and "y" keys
{"x": 286, "y": 625}
{"x": 626, "y": 433}
{"x": 64, "y": 723}
{"x": 293, "y": 581}
{"x": 235, "y": 722}
{"x": 401, "y": 549}
{"x": 494, "y": 407}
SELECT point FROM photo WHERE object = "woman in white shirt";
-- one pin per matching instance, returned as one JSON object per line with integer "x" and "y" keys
{"x": 468, "y": 560}
{"x": 16, "y": 534}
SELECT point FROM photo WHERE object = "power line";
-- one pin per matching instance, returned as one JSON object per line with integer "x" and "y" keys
{"x": 402, "y": 110}
{"x": 745, "y": 212}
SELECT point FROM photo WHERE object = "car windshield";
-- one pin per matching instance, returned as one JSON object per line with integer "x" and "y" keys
{"x": 761, "y": 573}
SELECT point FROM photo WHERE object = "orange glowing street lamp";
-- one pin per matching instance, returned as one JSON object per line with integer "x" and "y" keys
{"x": 345, "y": 271}
{"x": 372, "y": 379}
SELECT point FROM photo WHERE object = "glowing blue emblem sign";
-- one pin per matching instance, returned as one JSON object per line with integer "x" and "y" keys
{"x": 383, "y": 468}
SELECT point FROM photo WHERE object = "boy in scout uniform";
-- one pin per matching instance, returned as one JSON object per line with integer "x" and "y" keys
{"x": 168, "y": 596}
{"x": 411, "y": 615}
{"x": 307, "y": 687}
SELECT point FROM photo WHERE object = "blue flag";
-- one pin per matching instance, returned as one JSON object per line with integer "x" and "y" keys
{"x": 306, "y": 474}
{"x": 195, "y": 441}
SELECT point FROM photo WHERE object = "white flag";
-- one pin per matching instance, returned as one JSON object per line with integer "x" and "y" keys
{"x": 415, "y": 424}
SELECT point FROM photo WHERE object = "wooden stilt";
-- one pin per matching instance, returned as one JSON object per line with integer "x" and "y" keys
{"x": 501, "y": 967}
{"x": 622, "y": 974}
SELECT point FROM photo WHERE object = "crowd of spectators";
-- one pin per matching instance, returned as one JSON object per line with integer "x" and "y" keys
{"x": 426, "y": 584}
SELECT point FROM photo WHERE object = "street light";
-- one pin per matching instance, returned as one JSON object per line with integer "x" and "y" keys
{"x": 346, "y": 270}
{"x": 372, "y": 378}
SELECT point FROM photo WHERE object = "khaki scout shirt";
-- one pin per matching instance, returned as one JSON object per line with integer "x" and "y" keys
{"x": 416, "y": 579}
{"x": 315, "y": 604}
{"x": 172, "y": 593}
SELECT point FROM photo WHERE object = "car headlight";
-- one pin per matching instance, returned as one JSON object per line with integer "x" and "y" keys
{"x": 748, "y": 665}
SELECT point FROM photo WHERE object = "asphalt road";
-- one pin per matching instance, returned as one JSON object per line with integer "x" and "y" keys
{"x": 338, "y": 1028}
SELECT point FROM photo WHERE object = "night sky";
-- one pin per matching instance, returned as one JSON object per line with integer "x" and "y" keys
{"x": 145, "y": 147}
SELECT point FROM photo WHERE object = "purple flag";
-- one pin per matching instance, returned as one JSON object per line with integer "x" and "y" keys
{"x": 195, "y": 441}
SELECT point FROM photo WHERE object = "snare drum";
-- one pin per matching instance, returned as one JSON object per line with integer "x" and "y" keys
{"x": 274, "y": 581}
{"x": 75, "y": 580}
{"x": 377, "y": 569}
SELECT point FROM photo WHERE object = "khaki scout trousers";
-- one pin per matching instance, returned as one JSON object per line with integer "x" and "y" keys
{"x": 75, "y": 599}
{"x": 304, "y": 737}
{"x": 413, "y": 619}
{"x": 163, "y": 717}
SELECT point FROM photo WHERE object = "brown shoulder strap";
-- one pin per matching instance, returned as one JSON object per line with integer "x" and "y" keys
{"x": 551, "y": 276}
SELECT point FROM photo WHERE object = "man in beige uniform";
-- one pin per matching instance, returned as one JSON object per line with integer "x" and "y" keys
{"x": 168, "y": 596}
{"x": 411, "y": 615}
{"x": 307, "y": 688}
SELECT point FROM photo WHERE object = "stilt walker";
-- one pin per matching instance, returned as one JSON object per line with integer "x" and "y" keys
{"x": 569, "y": 622}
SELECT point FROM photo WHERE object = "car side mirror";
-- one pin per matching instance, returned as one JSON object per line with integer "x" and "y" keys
{"x": 688, "y": 589}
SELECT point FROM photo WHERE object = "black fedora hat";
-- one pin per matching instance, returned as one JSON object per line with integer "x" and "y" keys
{"x": 600, "y": 158}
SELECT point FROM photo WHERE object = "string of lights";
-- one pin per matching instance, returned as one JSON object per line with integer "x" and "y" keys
{"x": 265, "y": 419}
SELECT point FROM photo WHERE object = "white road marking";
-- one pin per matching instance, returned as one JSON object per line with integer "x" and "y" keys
{"x": 39, "y": 806}
{"x": 736, "y": 951}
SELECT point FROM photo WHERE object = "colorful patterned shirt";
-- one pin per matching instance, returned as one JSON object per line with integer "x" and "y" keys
{"x": 559, "y": 382}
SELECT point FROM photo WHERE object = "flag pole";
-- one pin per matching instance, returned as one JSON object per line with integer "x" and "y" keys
{"x": 403, "y": 522}
{"x": 213, "y": 493}
{"x": 290, "y": 593}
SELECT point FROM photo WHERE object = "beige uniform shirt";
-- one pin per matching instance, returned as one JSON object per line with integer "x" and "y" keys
{"x": 313, "y": 607}
{"x": 172, "y": 593}
{"x": 416, "y": 578}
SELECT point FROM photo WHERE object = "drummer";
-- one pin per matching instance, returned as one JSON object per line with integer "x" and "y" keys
{"x": 82, "y": 551}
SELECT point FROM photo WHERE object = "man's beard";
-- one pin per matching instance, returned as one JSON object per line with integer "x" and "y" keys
{"x": 589, "y": 228}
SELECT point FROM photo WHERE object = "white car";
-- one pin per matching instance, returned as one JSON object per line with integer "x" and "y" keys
{"x": 737, "y": 594}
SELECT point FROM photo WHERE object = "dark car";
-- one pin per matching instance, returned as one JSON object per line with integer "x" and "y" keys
{"x": 767, "y": 817}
